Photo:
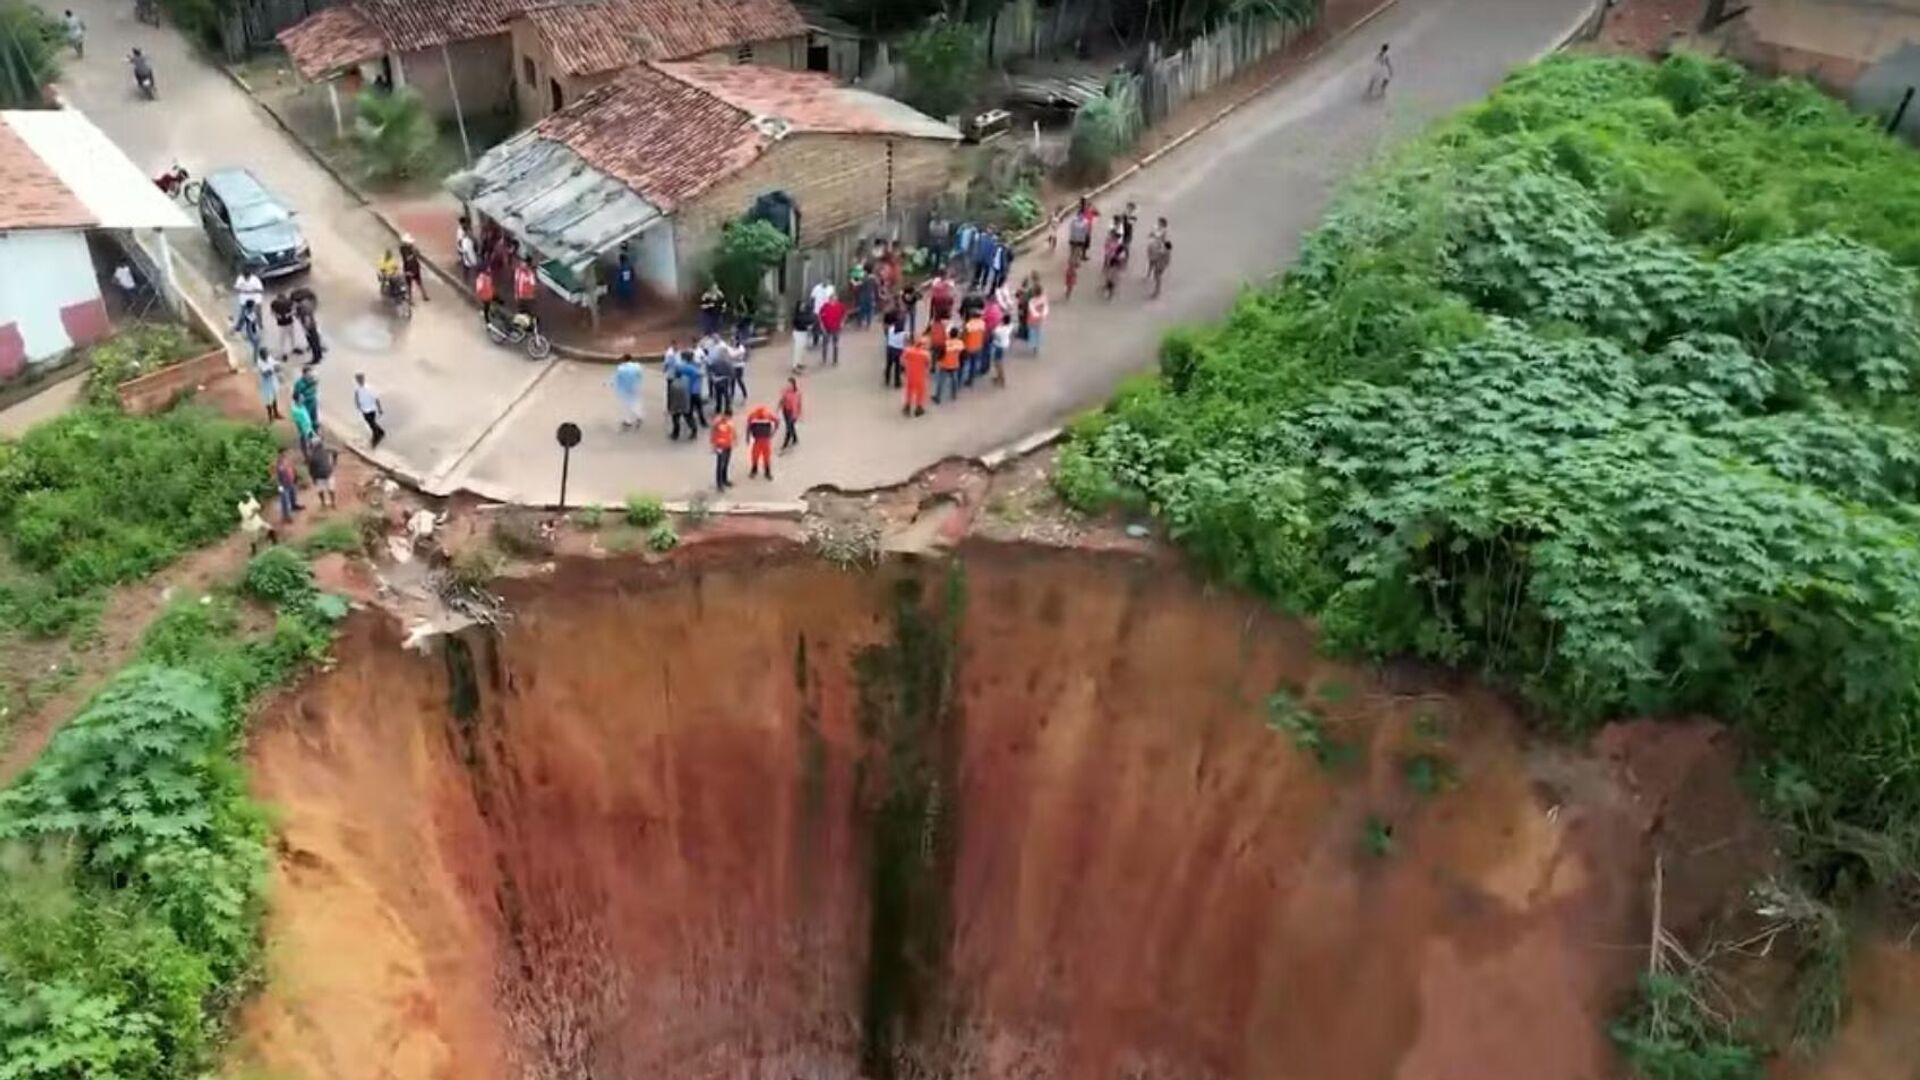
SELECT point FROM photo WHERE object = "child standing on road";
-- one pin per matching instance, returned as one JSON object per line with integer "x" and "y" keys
{"x": 790, "y": 412}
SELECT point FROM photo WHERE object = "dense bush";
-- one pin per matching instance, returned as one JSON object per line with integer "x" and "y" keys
{"x": 33, "y": 40}
{"x": 93, "y": 498}
{"x": 139, "y": 350}
{"x": 944, "y": 62}
{"x": 133, "y": 863}
{"x": 1601, "y": 388}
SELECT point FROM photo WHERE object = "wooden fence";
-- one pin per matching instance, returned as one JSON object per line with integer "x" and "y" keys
{"x": 1209, "y": 61}
{"x": 1024, "y": 28}
{"x": 253, "y": 23}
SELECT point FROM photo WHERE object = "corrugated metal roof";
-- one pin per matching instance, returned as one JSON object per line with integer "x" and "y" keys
{"x": 70, "y": 175}
{"x": 554, "y": 200}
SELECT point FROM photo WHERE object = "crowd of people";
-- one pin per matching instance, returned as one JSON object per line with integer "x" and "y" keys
{"x": 943, "y": 331}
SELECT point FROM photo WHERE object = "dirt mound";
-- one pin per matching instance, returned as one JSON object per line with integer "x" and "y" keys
{"x": 1021, "y": 815}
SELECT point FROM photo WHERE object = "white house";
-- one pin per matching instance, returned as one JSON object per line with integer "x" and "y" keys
{"x": 63, "y": 177}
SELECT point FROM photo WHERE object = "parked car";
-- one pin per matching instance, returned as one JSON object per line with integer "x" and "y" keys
{"x": 250, "y": 226}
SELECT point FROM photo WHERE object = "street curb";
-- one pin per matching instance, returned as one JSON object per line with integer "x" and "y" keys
{"x": 1019, "y": 448}
{"x": 1021, "y": 241}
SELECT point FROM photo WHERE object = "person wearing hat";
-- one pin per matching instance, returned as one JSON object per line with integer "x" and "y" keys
{"x": 410, "y": 266}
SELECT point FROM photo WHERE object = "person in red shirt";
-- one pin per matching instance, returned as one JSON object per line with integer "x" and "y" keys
{"x": 483, "y": 289}
{"x": 720, "y": 437}
{"x": 832, "y": 315}
{"x": 940, "y": 298}
{"x": 790, "y": 412}
{"x": 523, "y": 283}
{"x": 916, "y": 360}
{"x": 760, "y": 428}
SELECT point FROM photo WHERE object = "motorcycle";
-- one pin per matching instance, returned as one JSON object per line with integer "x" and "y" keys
{"x": 519, "y": 328}
{"x": 393, "y": 289}
{"x": 177, "y": 183}
{"x": 142, "y": 75}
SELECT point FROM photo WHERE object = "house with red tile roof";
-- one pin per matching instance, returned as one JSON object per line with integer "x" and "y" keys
{"x": 532, "y": 55}
{"x": 65, "y": 179}
{"x": 563, "y": 49}
{"x": 658, "y": 159}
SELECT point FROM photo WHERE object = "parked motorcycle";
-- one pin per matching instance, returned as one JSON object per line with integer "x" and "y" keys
{"x": 393, "y": 289}
{"x": 517, "y": 328}
{"x": 177, "y": 183}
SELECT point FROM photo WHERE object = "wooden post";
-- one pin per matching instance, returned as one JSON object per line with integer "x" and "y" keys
{"x": 459, "y": 116}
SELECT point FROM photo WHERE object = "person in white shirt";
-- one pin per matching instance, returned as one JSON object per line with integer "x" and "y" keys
{"x": 370, "y": 408}
{"x": 817, "y": 299}
{"x": 247, "y": 287}
{"x": 1002, "y": 341}
{"x": 896, "y": 346}
{"x": 467, "y": 250}
{"x": 124, "y": 280}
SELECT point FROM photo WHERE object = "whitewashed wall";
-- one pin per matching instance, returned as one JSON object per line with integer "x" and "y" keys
{"x": 43, "y": 272}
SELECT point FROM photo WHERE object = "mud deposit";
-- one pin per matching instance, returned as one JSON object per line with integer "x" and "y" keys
{"x": 1018, "y": 815}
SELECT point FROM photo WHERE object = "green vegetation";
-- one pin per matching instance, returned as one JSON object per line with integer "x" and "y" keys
{"x": 134, "y": 860}
{"x": 1670, "y": 1033}
{"x": 30, "y": 48}
{"x": 746, "y": 253}
{"x": 944, "y": 62}
{"x": 394, "y": 133}
{"x": 338, "y": 535}
{"x": 590, "y": 517}
{"x": 94, "y": 498}
{"x": 1104, "y": 128}
{"x": 645, "y": 511}
{"x": 1302, "y": 723}
{"x": 662, "y": 537}
{"x": 141, "y": 349}
{"x": 1602, "y": 388}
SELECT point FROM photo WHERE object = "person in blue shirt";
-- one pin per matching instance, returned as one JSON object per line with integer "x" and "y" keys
{"x": 688, "y": 369}
{"x": 626, "y": 387}
{"x": 983, "y": 246}
{"x": 623, "y": 276}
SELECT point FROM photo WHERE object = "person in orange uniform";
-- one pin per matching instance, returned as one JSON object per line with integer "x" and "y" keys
{"x": 947, "y": 377}
{"x": 916, "y": 360}
{"x": 974, "y": 340}
{"x": 720, "y": 437}
{"x": 760, "y": 428}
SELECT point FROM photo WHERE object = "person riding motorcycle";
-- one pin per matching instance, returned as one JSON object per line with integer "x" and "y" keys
{"x": 388, "y": 269}
{"x": 142, "y": 71}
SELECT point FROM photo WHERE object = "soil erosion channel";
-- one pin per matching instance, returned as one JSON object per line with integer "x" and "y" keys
{"x": 1018, "y": 814}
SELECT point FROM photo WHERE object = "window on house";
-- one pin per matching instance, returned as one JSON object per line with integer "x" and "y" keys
{"x": 559, "y": 96}
{"x": 744, "y": 54}
{"x": 527, "y": 74}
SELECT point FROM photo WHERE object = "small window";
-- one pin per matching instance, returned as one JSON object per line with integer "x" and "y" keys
{"x": 527, "y": 74}
{"x": 559, "y": 96}
{"x": 744, "y": 54}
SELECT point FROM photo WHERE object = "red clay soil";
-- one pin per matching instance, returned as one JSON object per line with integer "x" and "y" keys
{"x": 644, "y": 829}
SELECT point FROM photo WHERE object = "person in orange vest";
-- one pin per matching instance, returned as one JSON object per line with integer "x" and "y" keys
{"x": 790, "y": 412}
{"x": 947, "y": 378}
{"x": 973, "y": 339}
{"x": 720, "y": 437}
{"x": 760, "y": 428}
{"x": 916, "y": 360}
{"x": 1037, "y": 312}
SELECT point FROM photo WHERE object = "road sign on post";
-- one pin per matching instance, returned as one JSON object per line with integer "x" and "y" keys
{"x": 568, "y": 436}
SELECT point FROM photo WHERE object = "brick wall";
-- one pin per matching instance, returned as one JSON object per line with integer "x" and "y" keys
{"x": 151, "y": 393}
{"x": 839, "y": 181}
{"x": 481, "y": 67}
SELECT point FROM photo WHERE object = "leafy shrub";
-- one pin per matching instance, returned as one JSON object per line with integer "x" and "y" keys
{"x": 590, "y": 517}
{"x": 746, "y": 253}
{"x": 394, "y": 132}
{"x": 93, "y": 498}
{"x": 645, "y": 511}
{"x": 662, "y": 537}
{"x": 943, "y": 63}
{"x": 279, "y": 576}
{"x": 342, "y": 537}
{"x": 1602, "y": 389}
{"x": 520, "y": 535}
{"x": 1668, "y": 1034}
{"x": 475, "y": 565}
{"x": 1104, "y": 128}
{"x": 34, "y": 40}
{"x": 139, "y": 350}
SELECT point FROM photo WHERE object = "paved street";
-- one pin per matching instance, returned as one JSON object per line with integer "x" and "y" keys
{"x": 465, "y": 414}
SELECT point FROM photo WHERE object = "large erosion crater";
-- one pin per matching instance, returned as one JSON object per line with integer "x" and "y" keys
{"x": 1017, "y": 814}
